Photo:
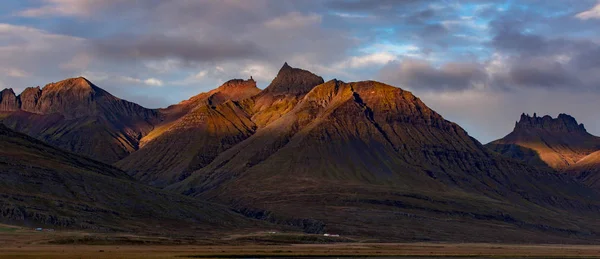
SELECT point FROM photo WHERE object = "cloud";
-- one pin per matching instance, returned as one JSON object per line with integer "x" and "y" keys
{"x": 367, "y": 60}
{"x": 153, "y": 82}
{"x": 188, "y": 49}
{"x": 79, "y": 8}
{"x": 293, "y": 20}
{"x": 420, "y": 74}
{"x": 368, "y": 5}
{"x": 13, "y": 72}
{"x": 593, "y": 13}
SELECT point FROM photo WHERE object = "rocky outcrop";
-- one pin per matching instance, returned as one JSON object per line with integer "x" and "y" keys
{"x": 560, "y": 142}
{"x": 563, "y": 123}
{"x": 8, "y": 100}
{"x": 30, "y": 98}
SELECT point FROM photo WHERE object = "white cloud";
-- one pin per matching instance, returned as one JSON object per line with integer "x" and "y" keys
{"x": 374, "y": 59}
{"x": 153, "y": 82}
{"x": 293, "y": 20}
{"x": 13, "y": 72}
{"x": 150, "y": 81}
{"x": 593, "y": 13}
{"x": 201, "y": 74}
{"x": 259, "y": 72}
{"x": 466, "y": 21}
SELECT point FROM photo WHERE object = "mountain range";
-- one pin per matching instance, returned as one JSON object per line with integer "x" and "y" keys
{"x": 362, "y": 159}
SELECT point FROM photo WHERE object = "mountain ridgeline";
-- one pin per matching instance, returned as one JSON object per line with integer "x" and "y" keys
{"x": 78, "y": 116}
{"x": 362, "y": 159}
{"x": 559, "y": 143}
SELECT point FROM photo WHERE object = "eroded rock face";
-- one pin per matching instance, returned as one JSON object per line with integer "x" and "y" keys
{"x": 560, "y": 142}
{"x": 30, "y": 98}
{"x": 8, "y": 100}
{"x": 563, "y": 123}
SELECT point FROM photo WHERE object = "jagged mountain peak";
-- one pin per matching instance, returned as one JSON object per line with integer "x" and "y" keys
{"x": 293, "y": 81}
{"x": 562, "y": 123}
{"x": 559, "y": 142}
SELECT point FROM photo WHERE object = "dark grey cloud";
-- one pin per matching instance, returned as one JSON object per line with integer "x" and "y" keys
{"x": 419, "y": 74}
{"x": 183, "y": 48}
{"x": 542, "y": 73}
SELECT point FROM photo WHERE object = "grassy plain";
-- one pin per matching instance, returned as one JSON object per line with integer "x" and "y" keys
{"x": 16, "y": 242}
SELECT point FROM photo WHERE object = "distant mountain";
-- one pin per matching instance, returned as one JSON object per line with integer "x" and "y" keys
{"x": 78, "y": 116}
{"x": 373, "y": 160}
{"x": 43, "y": 186}
{"x": 559, "y": 142}
{"x": 193, "y": 133}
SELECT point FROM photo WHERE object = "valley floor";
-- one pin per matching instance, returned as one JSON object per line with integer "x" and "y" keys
{"x": 420, "y": 250}
{"x": 20, "y": 242}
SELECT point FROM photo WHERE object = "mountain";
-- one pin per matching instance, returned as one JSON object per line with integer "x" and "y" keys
{"x": 213, "y": 122}
{"x": 43, "y": 186}
{"x": 192, "y": 134}
{"x": 285, "y": 91}
{"x": 359, "y": 159}
{"x": 587, "y": 170}
{"x": 559, "y": 142}
{"x": 78, "y": 116}
{"x": 369, "y": 159}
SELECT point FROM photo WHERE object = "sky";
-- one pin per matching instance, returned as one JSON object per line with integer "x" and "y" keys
{"x": 478, "y": 63}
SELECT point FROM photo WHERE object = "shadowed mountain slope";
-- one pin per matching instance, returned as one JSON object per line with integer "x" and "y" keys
{"x": 78, "y": 116}
{"x": 559, "y": 142}
{"x": 45, "y": 186}
{"x": 209, "y": 124}
{"x": 370, "y": 159}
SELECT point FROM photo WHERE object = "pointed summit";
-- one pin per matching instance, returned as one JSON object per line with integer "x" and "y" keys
{"x": 293, "y": 81}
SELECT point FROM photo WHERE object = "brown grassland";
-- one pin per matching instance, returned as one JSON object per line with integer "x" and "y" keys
{"x": 16, "y": 242}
